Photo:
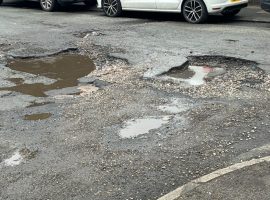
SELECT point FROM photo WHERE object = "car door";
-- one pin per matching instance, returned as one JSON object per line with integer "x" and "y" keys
{"x": 168, "y": 4}
{"x": 138, "y": 4}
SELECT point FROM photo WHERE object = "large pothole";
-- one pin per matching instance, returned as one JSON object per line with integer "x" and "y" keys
{"x": 215, "y": 76}
{"x": 58, "y": 77}
{"x": 65, "y": 69}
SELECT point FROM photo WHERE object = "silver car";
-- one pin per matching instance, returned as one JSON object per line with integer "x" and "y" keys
{"x": 52, "y": 5}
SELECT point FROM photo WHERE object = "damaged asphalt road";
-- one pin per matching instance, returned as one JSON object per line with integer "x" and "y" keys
{"x": 79, "y": 142}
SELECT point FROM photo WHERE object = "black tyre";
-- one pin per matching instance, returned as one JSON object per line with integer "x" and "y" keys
{"x": 49, "y": 5}
{"x": 112, "y": 8}
{"x": 195, "y": 11}
{"x": 1, "y": 1}
{"x": 230, "y": 13}
{"x": 90, "y": 3}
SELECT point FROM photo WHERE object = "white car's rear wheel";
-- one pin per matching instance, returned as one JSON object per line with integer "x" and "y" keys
{"x": 48, "y": 5}
{"x": 1, "y": 1}
{"x": 112, "y": 8}
{"x": 194, "y": 11}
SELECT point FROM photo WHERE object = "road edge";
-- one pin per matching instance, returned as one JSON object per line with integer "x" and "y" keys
{"x": 173, "y": 195}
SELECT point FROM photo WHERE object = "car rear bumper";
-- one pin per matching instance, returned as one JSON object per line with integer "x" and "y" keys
{"x": 265, "y": 4}
{"x": 235, "y": 7}
{"x": 228, "y": 5}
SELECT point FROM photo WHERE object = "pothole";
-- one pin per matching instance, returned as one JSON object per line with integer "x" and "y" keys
{"x": 66, "y": 69}
{"x": 194, "y": 75}
{"x": 137, "y": 127}
{"x": 37, "y": 117}
{"x": 216, "y": 76}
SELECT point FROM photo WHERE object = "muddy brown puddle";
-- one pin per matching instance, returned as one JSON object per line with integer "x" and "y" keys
{"x": 66, "y": 69}
{"x": 39, "y": 116}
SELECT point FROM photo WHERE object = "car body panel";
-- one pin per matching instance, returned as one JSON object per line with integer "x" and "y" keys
{"x": 168, "y": 4}
{"x": 139, "y": 4}
{"x": 213, "y": 6}
{"x": 217, "y": 6}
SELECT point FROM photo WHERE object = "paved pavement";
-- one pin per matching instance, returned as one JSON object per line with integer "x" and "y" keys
{"x": 250, "y": 183}
{"x": 244, "y": 180}
{"x": 254, "y": 14}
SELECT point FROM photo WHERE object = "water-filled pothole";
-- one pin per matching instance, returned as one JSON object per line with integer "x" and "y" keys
{"x": 36, "y": 117}
{"x": 224, "y": 77}
{"x": 195, "y": 75}
{"x": 136, "y": 127}
{"x": 66, "y": 69}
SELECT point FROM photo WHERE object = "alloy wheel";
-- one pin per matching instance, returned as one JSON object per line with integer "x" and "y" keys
{"x": 193, "y": 11}
{"x": 46, "y": 4}
{"x": 111, "y": 7}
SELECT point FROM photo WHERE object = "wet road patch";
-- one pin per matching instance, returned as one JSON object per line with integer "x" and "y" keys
{"x": 18, "y": 156}
{"x": 176, "y": 105}
{"x": 66, "y": 69}
{"x": 14, "y": 160}
{"x": 36, "y": 104}
{"x": 137, "y": 127}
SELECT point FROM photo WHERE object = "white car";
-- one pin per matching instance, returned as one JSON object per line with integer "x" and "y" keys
{"x": 194, "y": 11}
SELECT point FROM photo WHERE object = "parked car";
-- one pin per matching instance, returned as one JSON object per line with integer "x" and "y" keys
{"x": 194, "y": 11}
{"x": 265, "y": 4}
{"x": 51, "y": 5}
